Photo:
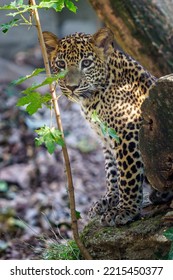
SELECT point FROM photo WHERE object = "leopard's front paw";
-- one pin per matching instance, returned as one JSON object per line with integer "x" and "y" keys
{"x": 98, "y": 208}
{"x": 108, "y": 218}
{"x": 107, "y": 202}
{"x": 118, "y": 216}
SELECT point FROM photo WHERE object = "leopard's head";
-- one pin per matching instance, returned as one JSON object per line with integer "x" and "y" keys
{"x": 85, "y": 57}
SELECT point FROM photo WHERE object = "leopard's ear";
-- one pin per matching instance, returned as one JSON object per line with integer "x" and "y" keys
{"x": 103, "y": 41}
{"x": 51, "y": 42}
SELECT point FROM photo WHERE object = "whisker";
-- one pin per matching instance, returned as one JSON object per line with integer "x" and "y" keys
{"x": 85, "y": 94}
{"x": 71, "y": 98}
{"x": 83, "y": 89}
{"x": 99, "y": 87}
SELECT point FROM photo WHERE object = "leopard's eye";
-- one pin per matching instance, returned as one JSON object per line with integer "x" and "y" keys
{"x": 60, "y": 64}
{"x": 86, "y": 63}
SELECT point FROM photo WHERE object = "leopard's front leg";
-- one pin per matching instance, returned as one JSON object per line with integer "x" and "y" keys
{"x": 111, "y": 198}
{"x": 130, "y": 178}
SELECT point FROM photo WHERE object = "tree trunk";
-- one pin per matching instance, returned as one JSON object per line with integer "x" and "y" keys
{"x": 143, "y": 29}
{"x": 156, "y": 134}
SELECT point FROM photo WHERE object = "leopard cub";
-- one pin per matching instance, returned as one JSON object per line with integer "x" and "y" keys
{"x": 103, "y": 79}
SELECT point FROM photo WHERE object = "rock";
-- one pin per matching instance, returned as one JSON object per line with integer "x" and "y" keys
{"x": 20, "y": 174}
{"x": 140, "y": 240}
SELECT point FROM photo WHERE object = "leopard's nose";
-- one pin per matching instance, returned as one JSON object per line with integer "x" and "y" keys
{"x": 72, "y": 88}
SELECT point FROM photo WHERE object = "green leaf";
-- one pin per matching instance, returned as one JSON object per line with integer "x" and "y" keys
{"x": 46, "y": 98}
{"x": 50, "y": 145}
{"x": 104, "y": 128}
{"x": 11, "y": 6}
{"x": 56, "y": 5}
{"x": 57, "y": 136}
{"x": 16, "y": 5}
{"x": 6, "y": 7}
{"x": 21, "y": 8}
{"x": 47, "y": 81}
{"x": 78, "y": 215}
{"x": 94, "y": 117}
{"x": 49, "y": 137}
{"x": 6, "y": 26}
{"x": 19, "y": 2}
{"x": 70, "y": 5}
{"x": 169, "y": 234}
{"x": 33, "y": 100}
{"x": 24, "y": 78}
{"x": 36, "y": 72}
{"x": 33, "y": 107}
{"x": 113, "y": 134}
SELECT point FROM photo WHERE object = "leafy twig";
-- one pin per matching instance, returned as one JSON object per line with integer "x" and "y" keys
{"x": 83, "y": 250}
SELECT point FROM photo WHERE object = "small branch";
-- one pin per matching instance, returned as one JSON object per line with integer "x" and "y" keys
{"x": 83, "y": 250}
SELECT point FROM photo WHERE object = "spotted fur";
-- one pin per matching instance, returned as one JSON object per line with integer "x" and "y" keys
{"x": 115, "y": 85}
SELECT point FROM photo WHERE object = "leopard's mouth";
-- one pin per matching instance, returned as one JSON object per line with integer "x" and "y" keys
{"x": 77, "y": 92}
{"x": 77, "y": 96}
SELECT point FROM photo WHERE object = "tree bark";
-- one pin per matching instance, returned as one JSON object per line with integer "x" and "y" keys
{"x": 156, "y": 134}
{"x": 143, "y": 29}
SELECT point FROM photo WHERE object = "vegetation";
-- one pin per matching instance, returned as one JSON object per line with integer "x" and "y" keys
{"x": 169, "y": 235}
{"x": 56, "y": 251}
